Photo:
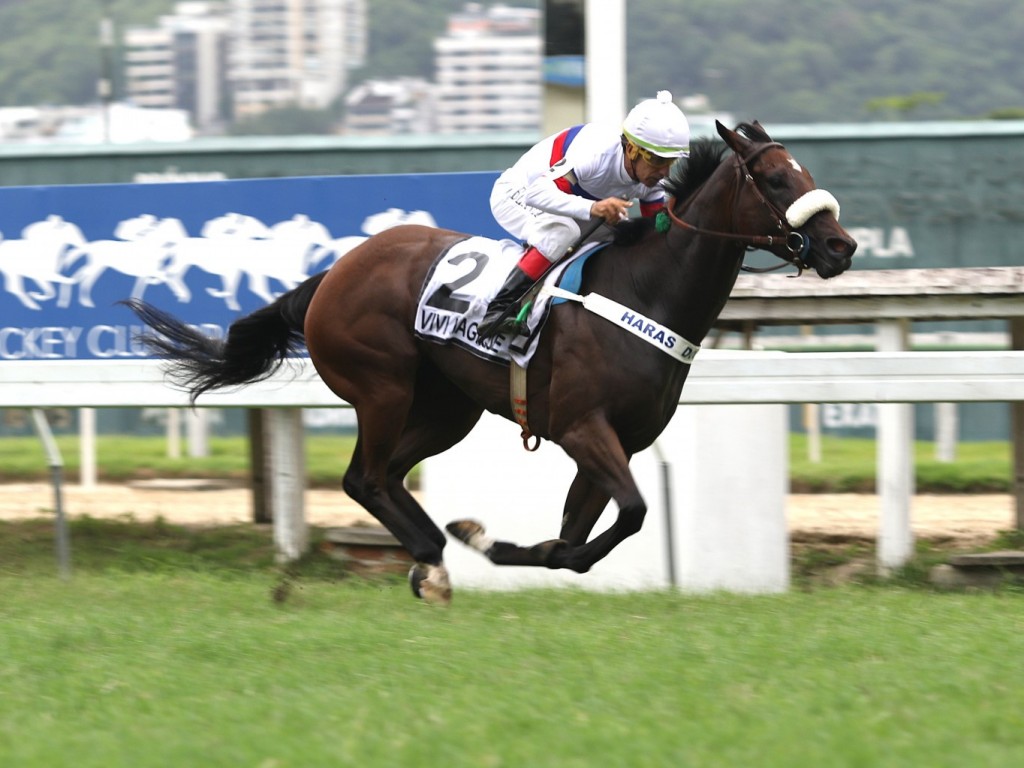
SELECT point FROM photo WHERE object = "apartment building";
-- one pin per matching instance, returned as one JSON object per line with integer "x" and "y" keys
{"x": 294, "y": 53}
{"x": 489, "y": 71}
{"x": 387, "y": 107}
{"x": 181, "y": 63}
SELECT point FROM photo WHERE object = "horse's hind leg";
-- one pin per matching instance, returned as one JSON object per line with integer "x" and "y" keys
{"x": 439, "y": 417}
{"x": 367, "y": 482}
{"x": 435, "y": 424}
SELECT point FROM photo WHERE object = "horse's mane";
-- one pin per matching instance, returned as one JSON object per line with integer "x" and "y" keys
{"x": 705, "y": 156}
{"x": 688, "y": 176}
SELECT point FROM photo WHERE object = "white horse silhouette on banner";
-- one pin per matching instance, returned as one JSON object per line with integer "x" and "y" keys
{"x": 37, "y": 256}
{"x": 160, "y": 251}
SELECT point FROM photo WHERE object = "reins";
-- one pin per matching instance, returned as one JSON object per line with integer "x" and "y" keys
{"x": 795, "y": 243}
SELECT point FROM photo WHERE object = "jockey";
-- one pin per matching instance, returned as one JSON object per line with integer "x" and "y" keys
{"x": 585, "y": 172}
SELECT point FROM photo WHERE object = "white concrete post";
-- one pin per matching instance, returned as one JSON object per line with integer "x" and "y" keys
{"x": 197, "y": 431}
{"x": 730, "y": 483}
{"x": 87, "y": 448}
{"x": 286, "y": 454}
{"x": 895, "y": 463}
{"x": 947, "y": 429}
{"x": 174, "y": 433}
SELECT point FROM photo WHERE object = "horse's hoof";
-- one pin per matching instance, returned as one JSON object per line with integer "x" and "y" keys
{"x": 416, "y": 576}
{"x": 472, "y": 533}
{"x": 430, "y": 583}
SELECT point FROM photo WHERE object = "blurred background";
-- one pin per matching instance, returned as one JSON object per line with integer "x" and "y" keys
{"x": 128, "y": 70}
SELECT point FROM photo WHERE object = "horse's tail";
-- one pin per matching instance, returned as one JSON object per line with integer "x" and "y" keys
{"x": 255, "y": 347}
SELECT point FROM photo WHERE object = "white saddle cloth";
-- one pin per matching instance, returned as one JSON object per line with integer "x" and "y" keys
{"x": 462, "y": 283}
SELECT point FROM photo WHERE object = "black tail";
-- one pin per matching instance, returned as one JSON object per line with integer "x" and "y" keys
{"x": 255, "y": 348}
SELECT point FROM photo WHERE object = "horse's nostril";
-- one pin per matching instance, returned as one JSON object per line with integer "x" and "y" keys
{"x": 840, "y": 246}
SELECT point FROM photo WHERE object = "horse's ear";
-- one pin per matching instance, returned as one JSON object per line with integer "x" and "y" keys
{"x": 735, "y": 141}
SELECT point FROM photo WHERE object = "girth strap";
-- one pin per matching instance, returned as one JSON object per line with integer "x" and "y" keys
{"x": 517, "y": 393}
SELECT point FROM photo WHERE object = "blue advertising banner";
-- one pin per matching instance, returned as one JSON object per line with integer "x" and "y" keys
{"x": 208, "y": 252}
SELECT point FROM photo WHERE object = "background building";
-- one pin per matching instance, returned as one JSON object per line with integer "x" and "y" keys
{"x": 488, "y": 71}
{"x": 294, "y": 53}
{"x": 181, "y": 63}
{"x": 385, "y": 107}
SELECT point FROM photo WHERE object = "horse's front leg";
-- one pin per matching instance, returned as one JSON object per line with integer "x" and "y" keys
{"x": 604, "y": 474}
{"x": 583, "y": 508}
{"x": 472, "y": 533}
{"x": 601, "y": 459}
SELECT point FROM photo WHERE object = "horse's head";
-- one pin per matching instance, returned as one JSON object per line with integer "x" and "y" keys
{"x": 778, "y": 199}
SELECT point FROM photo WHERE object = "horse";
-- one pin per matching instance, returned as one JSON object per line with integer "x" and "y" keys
{"x": 235, "y": 244}
{"x": 38, "y": 256}
{"x": 142, "y": 250}
{"x": 600, "y": 394}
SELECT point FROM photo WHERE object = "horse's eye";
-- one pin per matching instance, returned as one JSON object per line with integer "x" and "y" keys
{"x": 777, "y": 181}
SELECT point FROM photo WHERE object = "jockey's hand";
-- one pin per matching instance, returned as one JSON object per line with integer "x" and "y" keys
{"x": 613, "y": 210}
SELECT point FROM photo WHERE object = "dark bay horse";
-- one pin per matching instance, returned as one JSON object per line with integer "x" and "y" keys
{"x": 599, "y": 393}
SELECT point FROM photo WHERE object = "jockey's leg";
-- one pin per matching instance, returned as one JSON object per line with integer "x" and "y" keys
{"x": 530, "y": 268}
{"x": 550, "y": 238}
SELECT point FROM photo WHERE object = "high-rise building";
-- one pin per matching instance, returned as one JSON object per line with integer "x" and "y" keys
{"x": 488, "y": 71}
{"x": 294, "y": 53}
{"x": 181, "y": 63}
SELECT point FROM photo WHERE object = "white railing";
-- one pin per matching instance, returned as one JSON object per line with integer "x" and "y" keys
{"x": 717, "y": 378}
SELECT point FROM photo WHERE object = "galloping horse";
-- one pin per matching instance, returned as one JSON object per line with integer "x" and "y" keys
{"x": 600, "y": 394}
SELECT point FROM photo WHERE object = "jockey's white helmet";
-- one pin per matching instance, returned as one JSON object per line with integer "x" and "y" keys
{"x": 658, "y": 126}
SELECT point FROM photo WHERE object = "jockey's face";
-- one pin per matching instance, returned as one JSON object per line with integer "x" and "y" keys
{"x": 645, "y": 166}
{"x": 651, "y": 171}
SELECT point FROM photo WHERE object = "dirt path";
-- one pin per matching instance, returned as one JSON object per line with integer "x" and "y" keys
{"x": 960, "y": 517}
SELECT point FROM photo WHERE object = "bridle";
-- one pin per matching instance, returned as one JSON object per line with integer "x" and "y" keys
{"x": 794, "y": 244}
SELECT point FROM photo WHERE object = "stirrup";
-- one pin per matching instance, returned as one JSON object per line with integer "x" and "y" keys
{"x": 512, "y": 319}
{"x": 515, "y": 324}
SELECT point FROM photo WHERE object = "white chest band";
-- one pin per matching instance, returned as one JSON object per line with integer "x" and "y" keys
{"x": 665, "y": 339}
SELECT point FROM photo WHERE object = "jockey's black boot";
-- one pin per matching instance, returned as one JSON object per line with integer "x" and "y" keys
{"x": 501, "y": 315}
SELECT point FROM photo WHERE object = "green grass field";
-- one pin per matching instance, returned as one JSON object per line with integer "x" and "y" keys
{"x": 848, "y": 463}
{"x": 172, "y": 667}
{"x": 166, "y": 648}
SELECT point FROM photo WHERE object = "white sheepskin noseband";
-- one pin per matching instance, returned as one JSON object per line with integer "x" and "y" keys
{"x": 809, "y": 204}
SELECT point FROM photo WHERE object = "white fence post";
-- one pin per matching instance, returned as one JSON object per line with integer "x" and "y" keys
{"x": 895, "y": 463}
{"x": 87, "y": 448}
{"x": 947, "y": 430}
{"x": 197, "y": 430}
{"x": 730, "y": 480}
{"x": 284, "y": 438}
